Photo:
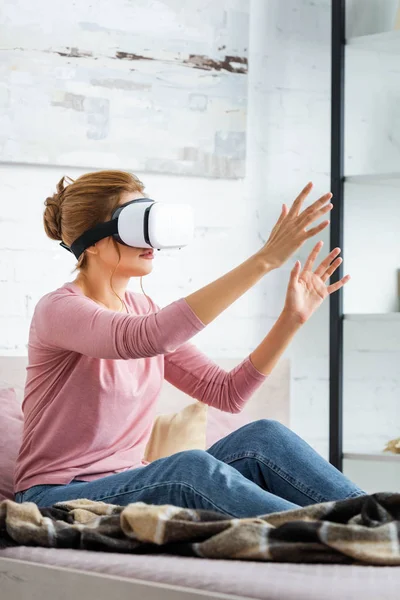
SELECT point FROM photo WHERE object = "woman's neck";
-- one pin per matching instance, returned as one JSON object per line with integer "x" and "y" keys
{"x": 99, "y": 289}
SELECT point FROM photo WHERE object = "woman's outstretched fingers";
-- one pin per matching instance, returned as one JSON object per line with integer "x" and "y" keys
{"x": 336, "y": 286}
{"x": 312, "y": 256}
{"x": 295, "y": 271}
{"x": 311, "y": 232}
{"x": 316, "y": 210}
{"x": 330, "y": 270}
{"x": 295, "y": 208}
{"x": 327, "y": 261}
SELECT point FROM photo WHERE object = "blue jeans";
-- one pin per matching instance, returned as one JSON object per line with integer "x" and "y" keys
{"x": 261, "y": 468}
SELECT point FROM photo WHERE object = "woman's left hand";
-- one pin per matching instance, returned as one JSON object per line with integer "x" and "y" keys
{"x": 307, "y": 290}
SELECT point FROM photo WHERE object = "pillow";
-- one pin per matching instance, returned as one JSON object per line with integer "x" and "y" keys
{"x": 270, "y": 401}
{"x": 221, "y": 424}
{"x": 11, "y": 427}
{"x": 175, "y": 432}
{"x": 197, "y": 426}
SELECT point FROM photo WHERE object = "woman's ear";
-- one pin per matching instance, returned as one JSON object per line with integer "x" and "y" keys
{"x": 92, "y": 249}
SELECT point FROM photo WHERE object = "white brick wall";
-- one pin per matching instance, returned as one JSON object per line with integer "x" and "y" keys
{"x": 288, "y": 144}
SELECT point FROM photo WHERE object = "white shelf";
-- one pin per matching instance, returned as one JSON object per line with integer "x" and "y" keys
{"x": 392, "y": 316}
{"x": 374, "y": 456}
{"x": 391, "y": 179}
{"x": 389, "y": 41}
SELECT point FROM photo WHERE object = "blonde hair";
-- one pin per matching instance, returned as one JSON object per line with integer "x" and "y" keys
{"x": 83, "y": 203}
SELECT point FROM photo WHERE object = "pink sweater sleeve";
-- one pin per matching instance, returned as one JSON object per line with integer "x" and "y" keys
{"x": 72, "y": 322}
{"x": 191, "y": 371}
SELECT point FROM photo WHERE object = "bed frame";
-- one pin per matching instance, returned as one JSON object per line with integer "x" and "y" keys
{"x": 27, "y": 580}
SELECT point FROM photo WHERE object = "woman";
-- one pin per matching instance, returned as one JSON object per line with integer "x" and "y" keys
{"x": 98, "y": 354}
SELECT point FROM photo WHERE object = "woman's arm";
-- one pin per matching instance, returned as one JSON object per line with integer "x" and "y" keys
{"x": 268, "y": 353}
{"x": 198, "y": 376}
{"x": 71, "y": 321}
{"x": 192, "y": 372}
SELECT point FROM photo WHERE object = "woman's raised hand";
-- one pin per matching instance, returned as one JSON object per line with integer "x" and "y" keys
{"x": 286, "y": 237}
{"x": 289, "y": 233}
{"x": 307, "y": 290}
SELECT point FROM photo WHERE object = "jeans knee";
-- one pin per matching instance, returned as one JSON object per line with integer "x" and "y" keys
{"x": 195, "y": 465}
{"x": 268, "y": 430}
{"x": 269, "y": 425}
{"x": 195, "y": 457}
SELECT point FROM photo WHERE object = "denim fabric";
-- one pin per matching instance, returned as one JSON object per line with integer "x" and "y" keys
{"x": 261, "y": 468}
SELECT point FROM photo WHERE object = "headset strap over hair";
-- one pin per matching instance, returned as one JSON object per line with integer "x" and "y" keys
{"x": 103, "y": 230}
{"x": 91, "y": 236}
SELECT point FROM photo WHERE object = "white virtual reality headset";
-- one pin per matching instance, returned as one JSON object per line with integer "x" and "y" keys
{"x": 141, "y": 223}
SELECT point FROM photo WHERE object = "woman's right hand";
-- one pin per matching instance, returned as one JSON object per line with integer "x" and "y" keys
{"x": 289, "y": 233}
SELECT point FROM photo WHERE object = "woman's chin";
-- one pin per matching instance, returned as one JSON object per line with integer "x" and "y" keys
{"x": 140, "y": 270}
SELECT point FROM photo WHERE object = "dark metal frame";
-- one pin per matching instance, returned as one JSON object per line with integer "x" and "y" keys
{"x": 336, "y": 234}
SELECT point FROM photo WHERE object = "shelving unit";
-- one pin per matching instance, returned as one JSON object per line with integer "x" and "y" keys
{"x": 377, "y": 42}
{"x": 377, "y": 456}
{"x": 394, "y": 316}
{"x": 391, "y": 179}
{"x": 388, "y": 42}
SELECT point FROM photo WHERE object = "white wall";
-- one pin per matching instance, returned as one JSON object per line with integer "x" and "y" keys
{"x": 288, "y": 144}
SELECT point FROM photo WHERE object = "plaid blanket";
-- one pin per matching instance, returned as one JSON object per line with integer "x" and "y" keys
{"x": 358, "y": 530}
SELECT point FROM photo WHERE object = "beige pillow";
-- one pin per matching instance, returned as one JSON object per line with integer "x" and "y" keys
{"x": 175, "y": 432}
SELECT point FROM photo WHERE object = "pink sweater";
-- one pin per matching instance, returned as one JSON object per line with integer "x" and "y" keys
{"x": 94, "y": 377}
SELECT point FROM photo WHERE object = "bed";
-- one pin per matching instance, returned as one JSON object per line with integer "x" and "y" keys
{"x": 37, "y": 572}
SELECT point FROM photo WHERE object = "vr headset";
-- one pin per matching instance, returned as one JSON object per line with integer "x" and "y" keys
{"x": 141, "y": 223}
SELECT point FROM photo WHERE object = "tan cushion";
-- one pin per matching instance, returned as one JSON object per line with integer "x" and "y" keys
{"x": 175, "y": 432}
{"x": 198, "y": 426}
{"x": 270, "y": 401}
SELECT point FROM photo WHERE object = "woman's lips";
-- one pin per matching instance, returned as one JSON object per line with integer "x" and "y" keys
{"x": 149, "y": 254}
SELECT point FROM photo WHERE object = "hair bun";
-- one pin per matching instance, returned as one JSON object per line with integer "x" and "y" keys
{"x": 52, "y": 213}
